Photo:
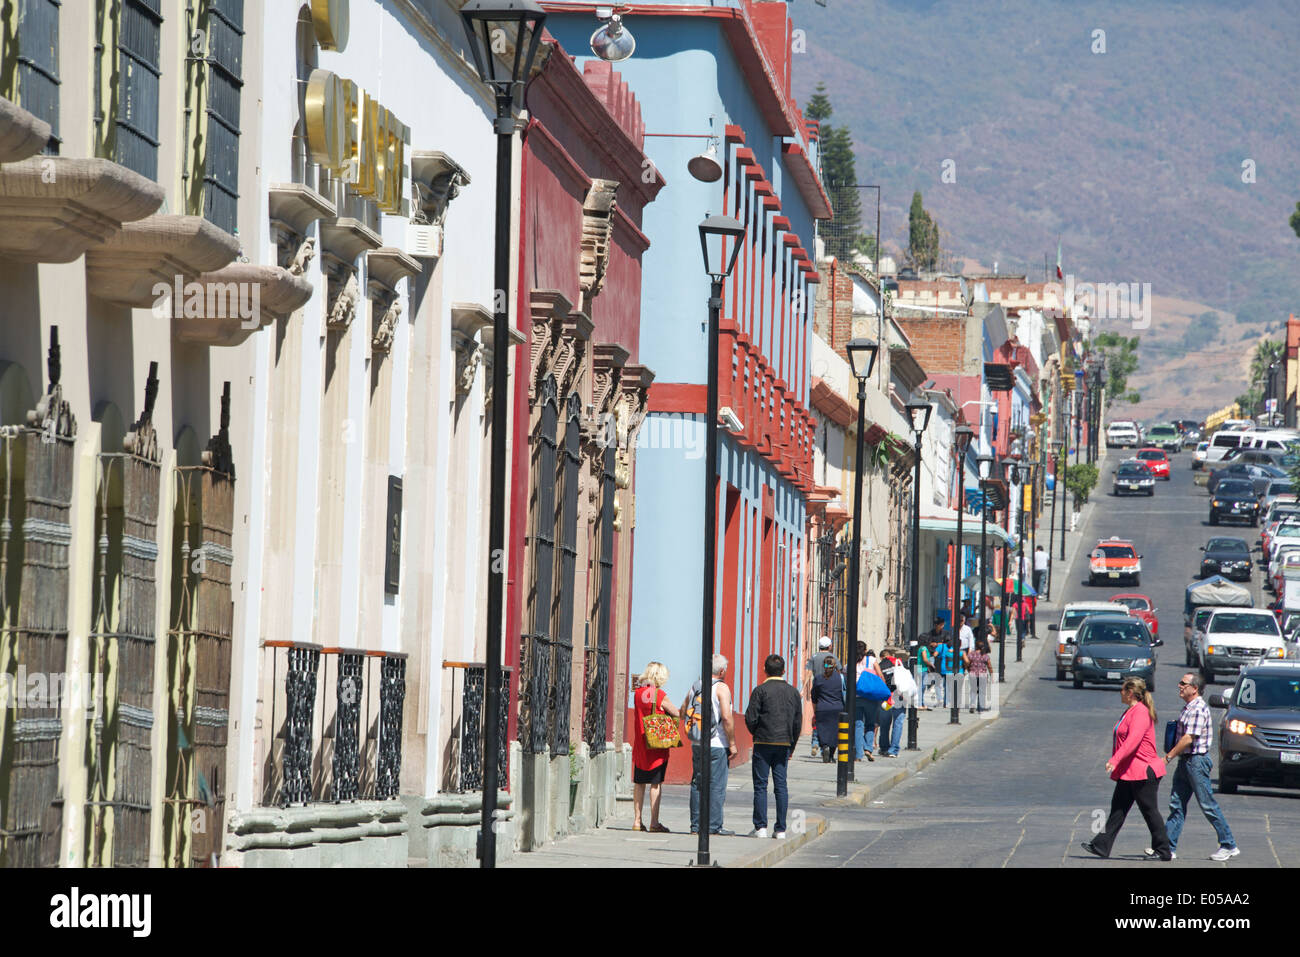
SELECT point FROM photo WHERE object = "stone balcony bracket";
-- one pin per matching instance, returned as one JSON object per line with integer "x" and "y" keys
{"x": 162, "y": 249}
{"x": 293, "y": 208}
{"x": 54, "y": 208}
{"x": 437, "y": 180}
{"x": 237, "y": 301}
{"x": 345, "y": 238}
{"x": 388, "y": 266}
{"x": 21, "y": 134}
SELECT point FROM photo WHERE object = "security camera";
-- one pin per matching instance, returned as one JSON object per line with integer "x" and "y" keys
{"x": 727, "y": 416}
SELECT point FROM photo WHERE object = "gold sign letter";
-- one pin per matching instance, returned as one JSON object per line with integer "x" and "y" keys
{"x": 330, "y": 20}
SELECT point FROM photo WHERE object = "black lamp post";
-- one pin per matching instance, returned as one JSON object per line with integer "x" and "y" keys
{"x": 919, "y": 415}
{"x": 985, "y": 471}
{"x": 483, "y": 19}
{"x": 720, "y": 241}
{"x": 961, "y": 442}
{"x": 862, "y": 358}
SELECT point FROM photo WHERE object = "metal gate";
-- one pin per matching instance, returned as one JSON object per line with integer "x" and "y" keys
{"x": 829, "y": 612}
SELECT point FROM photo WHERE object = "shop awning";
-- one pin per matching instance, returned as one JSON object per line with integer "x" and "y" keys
{"x": 945, "y": 520}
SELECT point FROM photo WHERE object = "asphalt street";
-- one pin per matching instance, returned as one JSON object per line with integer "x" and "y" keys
{"x": 1026, "y": 791}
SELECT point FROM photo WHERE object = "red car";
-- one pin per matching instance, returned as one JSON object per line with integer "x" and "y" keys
{"x": 1141, "y": 607}
{"x": 1156, "y": 460}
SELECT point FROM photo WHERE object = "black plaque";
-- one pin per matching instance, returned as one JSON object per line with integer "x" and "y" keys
{"x": 393, "y": 551}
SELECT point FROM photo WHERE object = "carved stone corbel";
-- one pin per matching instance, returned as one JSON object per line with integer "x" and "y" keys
{"x": 385, "y": 268}
{"x": 468, "y": 319}
{"x": 342, "y": 293}
{"x": 381, "y": 340}
{"x": 438, "y": 179}
{"x": 597, "y": 226}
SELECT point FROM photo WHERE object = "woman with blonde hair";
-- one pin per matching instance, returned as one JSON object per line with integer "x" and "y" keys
{"x": 650, "y": 765}
{"x": 1136, "y": 768}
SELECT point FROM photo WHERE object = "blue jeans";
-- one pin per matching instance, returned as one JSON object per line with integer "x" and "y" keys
{"x": 891, "y": 726}
{"x": 865, "y": 726}
{"x": 1192, "y": 776}
{"x": 773, "y": 758}
{"x": 717, "y": 787}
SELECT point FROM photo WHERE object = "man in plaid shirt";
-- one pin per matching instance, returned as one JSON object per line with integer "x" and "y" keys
{"x": 1192, "y": 776}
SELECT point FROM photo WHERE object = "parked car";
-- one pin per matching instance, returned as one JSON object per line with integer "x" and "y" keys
{"x": 1192, "y": 633}
{"x": 1203, "y": 597}
{"x": 1133, "y": 478}
{"x": 1259, "y": 735}
{"x": 1278, "y": 488}
{"x": 1234, "y": 499}
{"x": 1229, "y": 557}
{"x": 1157, "y": 460}
{"x": 1072, "y": 617}
{"x": 1219, "y": 446}
{"x": 1110, "y": 649}
{"x": 1288, "y": 557}
{"x": 1198, "y": 457}
{"x": 1235, "y": 638}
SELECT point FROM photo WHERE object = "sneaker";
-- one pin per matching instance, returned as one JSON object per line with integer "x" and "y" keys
{"x": 1151, "y": 855}
{"x": 723, "y": 832}
{"x": 759, "y": 832}
{"x": 779, "y": 835}
{"x": 1087, "y": 846}
{"x": 1223, "y": 853}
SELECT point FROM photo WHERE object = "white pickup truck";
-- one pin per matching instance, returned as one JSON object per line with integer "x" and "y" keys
{"x": 1235, "y": 638}
{"x": 1122, "y": 435}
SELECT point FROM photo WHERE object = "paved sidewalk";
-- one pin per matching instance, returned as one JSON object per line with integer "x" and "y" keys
{"x": 811, "y": 782}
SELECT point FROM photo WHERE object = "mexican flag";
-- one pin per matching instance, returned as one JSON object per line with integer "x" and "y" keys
{"x": 1059, "y": 274}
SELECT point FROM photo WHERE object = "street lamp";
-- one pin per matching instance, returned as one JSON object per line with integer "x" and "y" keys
{"x": 1009, "y": 474}
{"x": 985, "y": 470}
{"x": 961, "y": 442}
{"x": 862, "y": 358}
{"x": 918, "y": 413}
{"x": 483, "y": 19}
{"x": 720, "y": 241}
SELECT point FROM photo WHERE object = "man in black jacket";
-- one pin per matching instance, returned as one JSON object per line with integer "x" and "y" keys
{"x": 774, "y": 718}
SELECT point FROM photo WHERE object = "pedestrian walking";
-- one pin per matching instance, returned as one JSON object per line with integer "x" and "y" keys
{"x": 828, "y": 701}
{"x": 721, "y": 746}
{"x": 774, "y": 718}
{"x": 1022, "y": 617}
{"x": 1136, "y": 768}
{"x": 866, "y": 712}
{"x": 812, "y": 669}
{"x": 926, "y": 644}
{"x": 1042, "y": 562}
{"x": 894, "y": 710}
{"x": 943, "y": 670}
{"x": 979, "y": 665}
{"x": 1192, "y": 774}
{"x": 649, "y": 765}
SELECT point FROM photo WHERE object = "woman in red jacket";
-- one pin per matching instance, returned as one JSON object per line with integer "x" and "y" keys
{"x": 1136, "y": 768}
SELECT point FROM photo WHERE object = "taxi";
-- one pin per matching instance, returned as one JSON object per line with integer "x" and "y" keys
{"x": 1157, "y": 460}
{"x": 1114, "y": 560}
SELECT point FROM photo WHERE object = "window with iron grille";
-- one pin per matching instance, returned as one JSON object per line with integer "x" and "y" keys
{"x": 225, "y": 23}
{"x": 535, "y": 647}
{"x": 138, "y": 73}
{"x": 596, "y": 705}
{"x": 38, "y": 63}
{"x": 567, "y": 537}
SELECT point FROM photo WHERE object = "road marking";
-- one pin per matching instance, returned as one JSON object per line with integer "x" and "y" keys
{"x": 1018, "y": 840}
{"x": 1068, "y": 844}
{"x": 861, "y": 849}
{"x": 1273, "y": 849}
{"x": 1022, "y": 819}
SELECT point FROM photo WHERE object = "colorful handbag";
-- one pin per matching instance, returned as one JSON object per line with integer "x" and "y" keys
{"x": 661, "y": 729}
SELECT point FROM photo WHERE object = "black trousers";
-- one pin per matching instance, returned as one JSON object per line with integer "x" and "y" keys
{"x": 1146, "y": 794}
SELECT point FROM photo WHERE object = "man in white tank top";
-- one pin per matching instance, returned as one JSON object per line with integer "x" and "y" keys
{"x": 722, "y": 747}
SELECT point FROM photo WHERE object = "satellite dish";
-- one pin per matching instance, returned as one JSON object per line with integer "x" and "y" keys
{"x": 613, "y": 42}
{"x": 706, "y": 167}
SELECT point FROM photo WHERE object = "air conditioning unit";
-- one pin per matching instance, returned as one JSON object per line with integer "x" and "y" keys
{"x": 423, "y": 241}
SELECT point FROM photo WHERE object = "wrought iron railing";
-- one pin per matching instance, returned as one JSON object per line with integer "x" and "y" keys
{"x": 335, "y": 724}
{"x": 464, "y": 768}
{"x": 829, "y": 611}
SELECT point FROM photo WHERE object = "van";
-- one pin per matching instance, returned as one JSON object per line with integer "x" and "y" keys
{"x": 1220, "y": 444}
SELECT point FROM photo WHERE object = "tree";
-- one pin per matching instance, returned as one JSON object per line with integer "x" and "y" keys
{"x": 1267, "y": 352}
{"x": 1079, "y": 481}
{"x": 840, "y": 175}
{"x": 1120, "y": 353}
{"x": 922, "y": 236}
{"x": 819, "y": 107}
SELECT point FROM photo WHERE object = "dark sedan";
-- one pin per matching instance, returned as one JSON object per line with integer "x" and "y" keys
{"x": 1235, "y": 499}
{"x": 1112, "y": 648}
{"x": 1133, "y": 478}
{"x": 1229, "y": 557}
{"x": 1260, "y": 476}
{"x": 1259, "y": 737}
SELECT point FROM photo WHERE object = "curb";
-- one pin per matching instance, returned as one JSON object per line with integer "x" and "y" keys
{"x": 817, "y": 826}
